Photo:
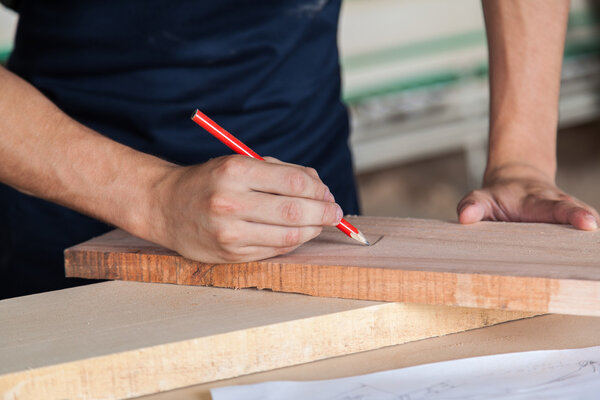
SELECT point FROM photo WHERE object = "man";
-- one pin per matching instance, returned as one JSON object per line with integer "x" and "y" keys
{"x": 96, "y": 120}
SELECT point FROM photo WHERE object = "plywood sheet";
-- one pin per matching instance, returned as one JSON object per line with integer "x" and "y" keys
{"x": 514, "y": 266}
{"x": 126, "y": 339}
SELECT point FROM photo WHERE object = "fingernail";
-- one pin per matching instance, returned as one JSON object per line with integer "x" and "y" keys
{"x": 339, "y": 213}
{"x": 592, "y": 221}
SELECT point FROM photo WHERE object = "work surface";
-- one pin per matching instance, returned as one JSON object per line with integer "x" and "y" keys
{"x": 513, "y": 266}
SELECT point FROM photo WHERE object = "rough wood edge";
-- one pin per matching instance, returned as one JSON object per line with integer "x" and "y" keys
{"x": 174, "y": 365}
{"x": 516, "y": 293}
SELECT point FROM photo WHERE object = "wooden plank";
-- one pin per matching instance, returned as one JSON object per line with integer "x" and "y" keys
{"x": 559, "y": 332}
{"x": 513, "y": 266}
{"x": 126, "y": 339}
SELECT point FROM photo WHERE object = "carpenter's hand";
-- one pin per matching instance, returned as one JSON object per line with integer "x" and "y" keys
{"x": 525, "y": 196}
{"x": 235, "y": 208}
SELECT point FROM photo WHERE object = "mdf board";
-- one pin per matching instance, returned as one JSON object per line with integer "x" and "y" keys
{"x": 125, "y": 339}
{"x": 512, "y": 266}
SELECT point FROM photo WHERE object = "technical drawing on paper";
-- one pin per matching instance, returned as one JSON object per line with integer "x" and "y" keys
{"x": 554, "y": 374}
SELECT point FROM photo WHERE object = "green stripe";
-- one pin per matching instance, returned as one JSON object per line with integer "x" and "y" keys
{"x": 573, "y": 51}
{"x": 416, "y": 49}
{"x": 582, "y": 18}
{"x": 430, "y": 81}
{"x": 4, "y": 53}
{"x": 579, "y": 48}
{"x": 443, "y": 44}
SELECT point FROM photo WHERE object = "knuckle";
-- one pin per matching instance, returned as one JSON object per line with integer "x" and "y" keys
{"x": 469, "y": 198}
{"x": 563, "y": 196}
{"x": 296, "y": 182}
{"x": 292, "y": 238}
{"x": 312, "y": 172}
{"x": 477, "y": 195}
{"x": 232, "y": 166}
{"x": 329, "y": 214}
{"x": 291, "y": 212}
{"x": 547, "y": 193}
{"x": 565, "y": 205}
{"x": 221, "y": 204}
{"x": 533, "y": 198}
{"x": 321, "y": 192}
{"x": 226, "y": 237}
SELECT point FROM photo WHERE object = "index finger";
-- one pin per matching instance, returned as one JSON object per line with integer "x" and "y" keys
{"x": 288, "y": 180}
{"x": 311, "y": 171}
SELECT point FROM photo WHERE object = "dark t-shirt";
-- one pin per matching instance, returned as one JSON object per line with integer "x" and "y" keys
{"x": 135, "y": 70}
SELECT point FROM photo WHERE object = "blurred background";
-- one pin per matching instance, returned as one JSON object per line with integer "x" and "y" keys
{"x": 415, "y": 79}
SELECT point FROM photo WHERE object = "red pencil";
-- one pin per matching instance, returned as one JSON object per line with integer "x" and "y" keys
{"x": 234, "y": 144}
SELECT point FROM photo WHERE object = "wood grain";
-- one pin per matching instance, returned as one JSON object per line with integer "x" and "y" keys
{"x": 126, "y": 339}
{"x": 559, "y": 332}
{"x": 512, "y": 266}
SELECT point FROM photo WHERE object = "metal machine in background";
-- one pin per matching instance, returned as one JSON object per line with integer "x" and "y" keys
{"x": 415, "y": 78}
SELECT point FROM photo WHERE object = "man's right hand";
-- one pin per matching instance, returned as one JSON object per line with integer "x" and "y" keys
{"x": 235, "y": 208}
{"x": 228, "y": 209}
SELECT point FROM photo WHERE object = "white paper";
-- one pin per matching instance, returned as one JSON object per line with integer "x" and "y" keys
{"x": 552, "y": 374}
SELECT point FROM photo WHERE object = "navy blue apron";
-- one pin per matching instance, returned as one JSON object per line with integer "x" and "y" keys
{"x": 135, "y": 70}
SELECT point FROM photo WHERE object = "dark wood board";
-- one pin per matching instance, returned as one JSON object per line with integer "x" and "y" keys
{"x": 513, "y": 266}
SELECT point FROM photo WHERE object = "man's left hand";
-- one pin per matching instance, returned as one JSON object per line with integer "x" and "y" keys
{"x": 525, "y": 199}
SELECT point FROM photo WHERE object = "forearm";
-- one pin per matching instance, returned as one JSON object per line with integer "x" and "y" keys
{"x": 47, "y": 154}
{"x": 526, "y": 41}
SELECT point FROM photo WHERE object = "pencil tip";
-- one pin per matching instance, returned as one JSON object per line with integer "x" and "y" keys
{"x": 361, "y": 238}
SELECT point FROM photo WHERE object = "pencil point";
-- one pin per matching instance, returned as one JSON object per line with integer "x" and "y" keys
{"x": 360, "y": 238}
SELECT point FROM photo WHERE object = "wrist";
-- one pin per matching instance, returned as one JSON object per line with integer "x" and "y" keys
{"x": 518, "y": 151}
{"x": 146, "y": 218}
{"x": 517, "y": 170}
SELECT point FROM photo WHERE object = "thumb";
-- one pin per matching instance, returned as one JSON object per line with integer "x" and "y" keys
{"x": 471, "y": 209}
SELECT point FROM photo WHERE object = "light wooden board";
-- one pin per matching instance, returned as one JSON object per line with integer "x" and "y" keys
{"x": 125, "y": 339}
{"x": 513, "y": 266}
{"x": 546, "y": 332}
